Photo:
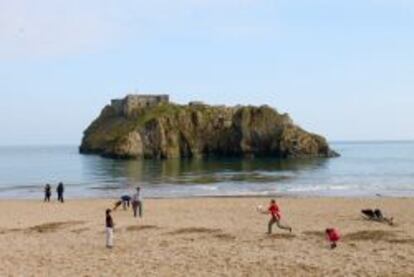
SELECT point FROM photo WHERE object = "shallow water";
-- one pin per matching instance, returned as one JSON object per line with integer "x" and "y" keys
{"x": 364, "y": 169}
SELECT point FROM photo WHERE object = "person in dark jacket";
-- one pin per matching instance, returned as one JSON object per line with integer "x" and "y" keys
{"x": 125, "y": 201}
{"x": 60, "y": 190}
{"x": 48, "y": 193}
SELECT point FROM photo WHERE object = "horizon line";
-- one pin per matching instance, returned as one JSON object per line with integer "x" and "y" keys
{"x": 329, "y": 141}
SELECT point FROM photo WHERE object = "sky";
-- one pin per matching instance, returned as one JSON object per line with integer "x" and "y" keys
{"x": 343, "y": 69}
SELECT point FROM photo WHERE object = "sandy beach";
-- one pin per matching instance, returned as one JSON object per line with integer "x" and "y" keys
{"x": 205, "y": 237}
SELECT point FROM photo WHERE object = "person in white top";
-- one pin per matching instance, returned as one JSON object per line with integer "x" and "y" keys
{"x": 137, "y": 203}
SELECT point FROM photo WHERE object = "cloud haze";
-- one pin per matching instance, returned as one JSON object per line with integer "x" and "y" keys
{"x": 340, "y": 68}
{"x": 39, "y": 28}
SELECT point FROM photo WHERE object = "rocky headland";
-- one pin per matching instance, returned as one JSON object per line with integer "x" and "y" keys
{"x": 150, "y": 127}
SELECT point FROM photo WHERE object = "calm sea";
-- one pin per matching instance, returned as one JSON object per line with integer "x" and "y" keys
{"x": 364, "y": 169}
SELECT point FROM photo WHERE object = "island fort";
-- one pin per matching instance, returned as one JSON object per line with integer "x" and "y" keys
{"x": 133, "y": 101}
{"x": 151, "y": 127}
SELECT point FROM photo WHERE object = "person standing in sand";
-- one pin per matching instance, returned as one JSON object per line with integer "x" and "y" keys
{"x": 137, "y": 203}
{"x": 109, "y": 225}
{"x": 60, "y": 190}
{"x": 48, "y": 193}
{"x": 276, "y": 216}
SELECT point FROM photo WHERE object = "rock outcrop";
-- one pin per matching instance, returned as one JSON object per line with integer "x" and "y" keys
{"x": 166, "y": 130}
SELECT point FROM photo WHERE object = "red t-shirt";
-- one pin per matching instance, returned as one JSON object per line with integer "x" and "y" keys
{"x": 274, "y": 211}
{"x": 333, "y": 235}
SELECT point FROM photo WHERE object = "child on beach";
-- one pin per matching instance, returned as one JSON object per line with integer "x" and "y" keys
{"x": 276, "y": 216}
{"x": 109, "y": 224}
{"x": 333, "y": 236}
{"x": 48, "y": 193}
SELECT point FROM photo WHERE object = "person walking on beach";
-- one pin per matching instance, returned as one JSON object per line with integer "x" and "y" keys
{"x": 48, "y": 193}
{"x": 109, "y": 226}
{"x": 137, "y": 203}
{"x": 275, "y": 218}
{"x": 60, "y": 190}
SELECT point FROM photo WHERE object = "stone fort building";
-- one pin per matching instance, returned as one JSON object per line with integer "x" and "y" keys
{"x": 134, "y": 101}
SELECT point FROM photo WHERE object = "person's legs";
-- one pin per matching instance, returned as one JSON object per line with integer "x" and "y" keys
{"x": 140, "y": 206}
{"x": 124, "y": 204}
{"x": 109, "y": 237}
{"x": 269, "y": 226}
{"x": 134, "y": 208}
{"x": 282, "y": 226}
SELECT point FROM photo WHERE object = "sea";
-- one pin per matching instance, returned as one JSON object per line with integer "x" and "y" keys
{"x": 365, "y": 169}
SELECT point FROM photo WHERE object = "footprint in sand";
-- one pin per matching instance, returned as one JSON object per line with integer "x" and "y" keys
{"x": 52, "y": 226}
{"x": 134, "y": 228}
{"x": 215, "y": 233}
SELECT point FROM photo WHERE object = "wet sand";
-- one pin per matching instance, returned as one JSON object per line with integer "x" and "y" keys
{"x": 205, "y": 237}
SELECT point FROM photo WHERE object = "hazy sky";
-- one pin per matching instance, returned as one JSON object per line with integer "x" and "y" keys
{"x": 344, "y": 69}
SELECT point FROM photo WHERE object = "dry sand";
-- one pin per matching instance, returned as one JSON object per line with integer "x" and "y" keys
{"x": 205, "y": 237}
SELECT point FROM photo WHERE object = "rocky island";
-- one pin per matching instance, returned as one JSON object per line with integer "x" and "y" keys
{"x": 151, "y": 127}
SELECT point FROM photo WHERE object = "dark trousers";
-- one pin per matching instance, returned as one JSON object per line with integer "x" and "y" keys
{"x": 276, "y": 221}
{"x": 47, "y": 197}
{"x": 60, "y": 197}
{"x": 125, "y": 204}
{"x": 137, "y": 206}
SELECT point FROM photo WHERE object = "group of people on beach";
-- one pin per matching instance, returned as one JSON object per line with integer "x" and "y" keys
{"x": 332, "y": 234}
{"x": 60, "y": 189}
{"x": 273, "y": 210}
{"x": 136, "y": 201}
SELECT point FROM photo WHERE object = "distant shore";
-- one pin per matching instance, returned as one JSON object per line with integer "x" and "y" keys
{"x": 208, "y": 236}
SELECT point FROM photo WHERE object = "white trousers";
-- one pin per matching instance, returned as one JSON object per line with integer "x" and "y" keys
{"x": 109, "y": 237}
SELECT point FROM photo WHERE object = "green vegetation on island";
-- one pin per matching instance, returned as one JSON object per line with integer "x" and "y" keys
{"x": 150, "y": 127}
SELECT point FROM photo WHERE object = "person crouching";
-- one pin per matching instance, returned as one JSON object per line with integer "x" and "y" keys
{"x": 333, "y": 236}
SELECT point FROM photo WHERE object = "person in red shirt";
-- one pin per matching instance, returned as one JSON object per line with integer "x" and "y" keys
{"x": 276, "y": 216}
{"x": 333, "y": 236}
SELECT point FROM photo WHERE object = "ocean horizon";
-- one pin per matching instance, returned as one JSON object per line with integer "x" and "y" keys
{"x": 365, "y": 168}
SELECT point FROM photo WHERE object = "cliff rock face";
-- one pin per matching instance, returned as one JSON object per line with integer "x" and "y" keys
{"x": 165, "y": 130}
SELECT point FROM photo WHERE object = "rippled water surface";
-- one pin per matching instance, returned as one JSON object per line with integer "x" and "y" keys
{"x": 363, "y": 169}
